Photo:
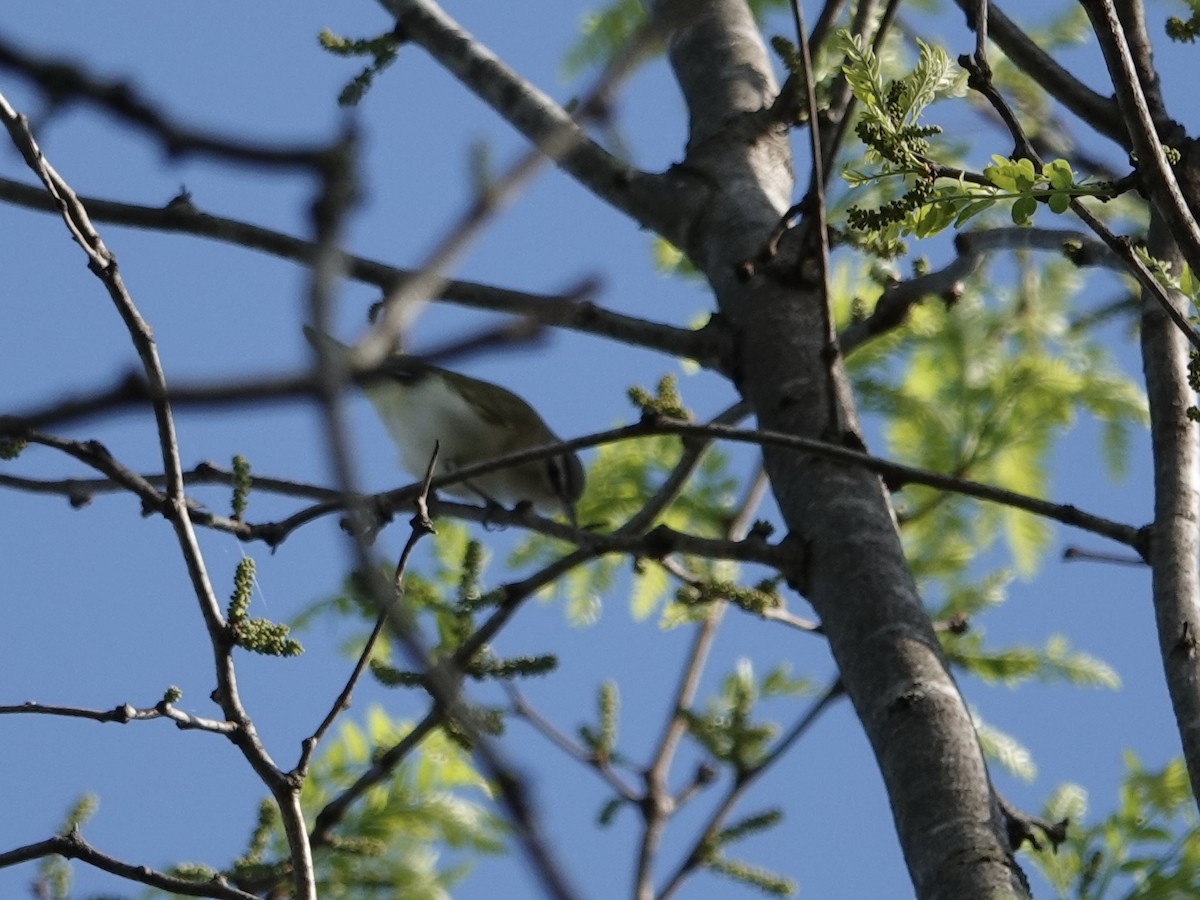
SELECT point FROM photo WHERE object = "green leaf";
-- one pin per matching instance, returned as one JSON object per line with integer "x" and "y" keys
{"x": 1001, "y": 173}
{"x": 1146, "y": 847}
{"x": 1059, "y": 203}
{"x": 972, "y": 209}
{"x": 1023, "y": 174}
{"x": 1028, "y": 538}
{"x": 602, "y": 35}
{"x": 1059, "y": 174}
{"x": 1077, "y": 667}
{"x": 862, "y": 71}
{"x": 1006, "y": 750}
{"x": 779, "y": 682}
{"x": 1023, "y": 210}
{"x": 934, "y": 75}
{"x": 650, "y": 587}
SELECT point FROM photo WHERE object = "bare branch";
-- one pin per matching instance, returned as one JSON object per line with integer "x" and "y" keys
{"x": 948, "y": 282}
{"x": 124, "y": 714}
{"x": 1078, "y": 553}
{"x": 421, "y": 526}
{"x": 73, "y": 846}
{"x": 700, "y": 849}
{"x": 603, "y": 767}
{"x": 658, "y": 804}
{"x": 663, "y": 540}
{"x": 1098, "y": 111}
{"x": 1158, "y": 174}
{"x": 379, "y": 771}
{"x": 175, "y": 505}
{"x": 571, "y": 309}
{"x": 64, "y": 82}
{"x": 648, "y": 199}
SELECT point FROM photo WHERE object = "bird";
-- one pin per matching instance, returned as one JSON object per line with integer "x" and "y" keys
{"x": 471, "y": 421}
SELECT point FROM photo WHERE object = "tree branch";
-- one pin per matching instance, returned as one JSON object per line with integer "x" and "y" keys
{"x": 708, "y": 346}
{"x": 664, "y": 540}
{"x": 647, "y": 199}
{"x": 1157, "y": 173}
{"x": 1175, "y": 541}
{"x": 73, "y": 846}
{"x": 972, "y": 246}
{"x": 522, "y": 708}
{"x": 1121, "y": 248}
{"x": 175, "y": 506}
{"x": 124, "y": 714}
{"x": 845, "y": 548}
{"x": 64, "y": 82}
{"x": 1100, "y": 112}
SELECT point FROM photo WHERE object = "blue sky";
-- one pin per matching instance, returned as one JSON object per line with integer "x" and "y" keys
{"x": 98, "y": 611}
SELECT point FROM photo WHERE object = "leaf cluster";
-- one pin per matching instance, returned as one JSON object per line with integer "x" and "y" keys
{"x": 1184, "y": 30}
{"x": 381, "y": 49}
{"x": 1149, "y": 846}
{"x": 387, "y": 845}
{"x": 1014, "y": 665}
{"x": 727, "y": 728}
{"x": 985, "y": 390}
{"x": 756, "y": 599}
{"x": 622, "y": 478}
{"x": 898, "y": 147}
{"x": 256, "y": 635}
{"x": 54, "y": 872}
{"x": 601, "y": 739}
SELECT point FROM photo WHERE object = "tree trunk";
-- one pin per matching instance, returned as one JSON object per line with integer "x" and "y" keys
{"x": 1173, "y": 545}
{"x": 848, "y": 558}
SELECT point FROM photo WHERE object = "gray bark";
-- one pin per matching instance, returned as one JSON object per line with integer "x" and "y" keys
{"x": 849, "y": 561}
{"x": 1174, "y": 544}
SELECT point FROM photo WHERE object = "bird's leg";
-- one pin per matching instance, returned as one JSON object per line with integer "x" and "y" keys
{"x": 490, "y": 506}
{"x": 489, "y": 502}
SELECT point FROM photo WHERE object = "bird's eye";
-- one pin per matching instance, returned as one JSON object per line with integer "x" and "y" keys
{"x": 558, "y": 478}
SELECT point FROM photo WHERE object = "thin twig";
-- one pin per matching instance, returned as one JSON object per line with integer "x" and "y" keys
{"x": 380, "y": 770}
{"x": 1097, "y": 110}
{"x": 892, "y": 308}
{"x": 708, "y": 346}
{"x": 523, "y": 708}
{"x": 649, "y": 199}
{"x": 176, "y": 506}
{"x": 63, "y": 81}
{"x": 1134, "y": 102}
{"x": 696, "y": 857}
{"x": 124, "y": 714}
{"x": 73, "y": 846}
{"x": 342, "y": 703}
{"x": 1070, "y": 554}
{"x": 665, "y": 540}
{"x": 1182, "y": 223}
{"x": 559, "y": 138}
{"x": 443, "y": 683}
{"x": 658, "y": 805}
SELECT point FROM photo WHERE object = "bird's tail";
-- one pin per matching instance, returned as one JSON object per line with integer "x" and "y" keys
{"x": 321, "y": 342}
